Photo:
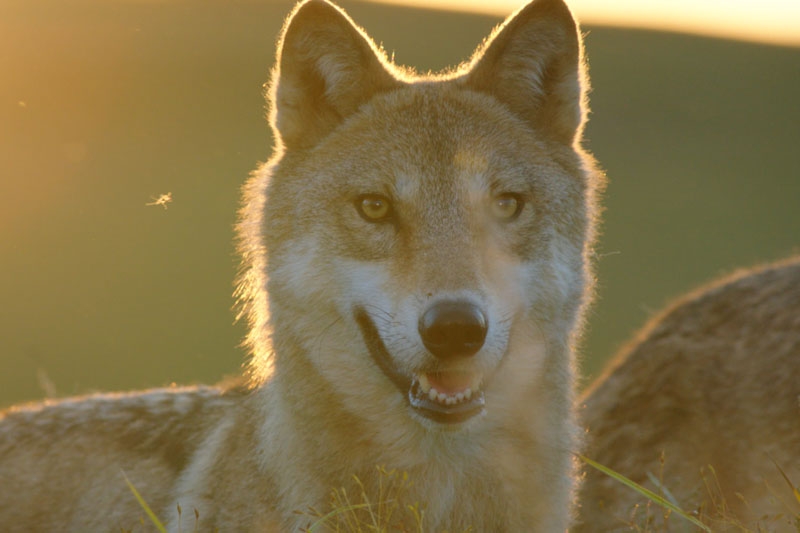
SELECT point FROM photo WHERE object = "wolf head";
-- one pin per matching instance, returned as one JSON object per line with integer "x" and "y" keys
{"x": 421, "y": 242}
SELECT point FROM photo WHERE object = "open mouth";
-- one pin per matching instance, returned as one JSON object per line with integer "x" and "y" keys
{"x": 434, "y": 396}
{"x": 444, "y": 396}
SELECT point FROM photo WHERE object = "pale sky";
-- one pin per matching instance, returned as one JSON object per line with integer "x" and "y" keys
{"x": 772, "y": 21}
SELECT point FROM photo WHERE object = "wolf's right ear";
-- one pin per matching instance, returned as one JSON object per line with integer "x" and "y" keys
{"x": 326, "y": 69}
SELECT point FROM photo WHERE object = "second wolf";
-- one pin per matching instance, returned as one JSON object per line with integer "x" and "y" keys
{"x": 704, "y": 407}
{"x": 415, "y": 272}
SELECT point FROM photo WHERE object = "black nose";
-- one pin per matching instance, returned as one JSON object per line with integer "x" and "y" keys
{"x": 453, "y": 329}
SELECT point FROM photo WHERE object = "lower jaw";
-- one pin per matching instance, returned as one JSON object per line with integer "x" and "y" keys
{"x": 432, "y": 410}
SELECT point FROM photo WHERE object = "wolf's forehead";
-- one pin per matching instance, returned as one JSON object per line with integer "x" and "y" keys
{"x": 465, "y": 169}
{"x": 471, "y": 161}
{"x": 440, "y": 129}
{"x": 432, "y": 143}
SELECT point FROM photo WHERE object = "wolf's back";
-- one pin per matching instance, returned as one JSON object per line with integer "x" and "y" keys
{"x": 74, "y": 455}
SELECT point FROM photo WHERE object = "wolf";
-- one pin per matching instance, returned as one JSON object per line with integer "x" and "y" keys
{"x": 703, "y": 406}
{"x": 416, "y": 266}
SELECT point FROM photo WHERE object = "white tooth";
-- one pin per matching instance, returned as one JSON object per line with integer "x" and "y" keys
{"x": 450, "y": 400}
{"x": 460, "y": 397}
{"x": 424, "y": 384}
{"x": 432, "y": 394}
{"x": 442, "y": 397}
{"x": 468, "y": 394}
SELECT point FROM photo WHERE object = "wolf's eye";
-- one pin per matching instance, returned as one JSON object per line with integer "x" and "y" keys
{"x": 374, "y": 207}
{"x": 506, "y": 207}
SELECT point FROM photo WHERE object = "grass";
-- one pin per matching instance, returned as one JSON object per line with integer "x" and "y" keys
{"x": 360, "y": 513}
{"x": 150, "y": 514}
{"x": 661, "y": 501}
{"x": 348, "y": 513}
{"x": 714, "y": 516}
{"x": 388, "y": 511}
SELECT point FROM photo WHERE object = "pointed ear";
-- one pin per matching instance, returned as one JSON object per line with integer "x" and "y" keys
{"x": 326, "y": 69}
{"x": 533, "y": 63}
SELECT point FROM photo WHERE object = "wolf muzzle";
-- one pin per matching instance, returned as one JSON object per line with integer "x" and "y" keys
{"x": 450, "y": 330}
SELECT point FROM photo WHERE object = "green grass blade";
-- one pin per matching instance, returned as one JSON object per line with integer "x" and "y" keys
{"x": 335, "y": 512}
{"x": 652, "y": 496}
{"x": 153, "y": 518}
{"x": 666, "y": 492}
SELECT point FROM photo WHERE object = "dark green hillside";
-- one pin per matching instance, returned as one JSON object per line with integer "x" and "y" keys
{"x": 106, "y": 104}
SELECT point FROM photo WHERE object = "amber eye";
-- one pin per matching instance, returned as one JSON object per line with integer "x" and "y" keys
{"x": 374, "y": 207}
{"x": 506, "y": 207}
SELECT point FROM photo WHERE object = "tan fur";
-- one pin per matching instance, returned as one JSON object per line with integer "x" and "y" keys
{"x": 336, "y": 303}
{"x": 714, "y": 380}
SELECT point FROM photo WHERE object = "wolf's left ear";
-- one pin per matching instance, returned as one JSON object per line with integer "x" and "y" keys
{"x": 327, "y": 68}
{"x": 533, "y": 63}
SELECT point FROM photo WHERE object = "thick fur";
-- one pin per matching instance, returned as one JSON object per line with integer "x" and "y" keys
{"x": 325, "y": 289}
{"x": 712, "y": 385}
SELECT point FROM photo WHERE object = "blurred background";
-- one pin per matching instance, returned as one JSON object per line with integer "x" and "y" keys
{"x": 128, "y": 126}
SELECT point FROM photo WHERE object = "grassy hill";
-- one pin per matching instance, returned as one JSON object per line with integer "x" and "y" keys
{"x": 105, "y": 105}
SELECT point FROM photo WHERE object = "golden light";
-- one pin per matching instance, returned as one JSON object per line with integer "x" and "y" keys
{"x": 768, "y": 21}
